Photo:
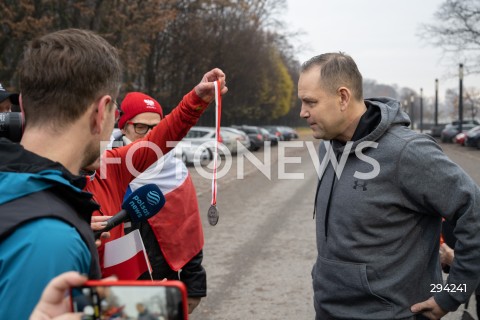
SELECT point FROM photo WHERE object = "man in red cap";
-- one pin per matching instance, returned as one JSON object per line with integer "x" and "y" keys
{"x": 174, "y": 237}
{"x": 138, "y": 113}
{"x": 120, "y": 166}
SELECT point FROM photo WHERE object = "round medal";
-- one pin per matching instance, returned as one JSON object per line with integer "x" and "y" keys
{"x": 213, "y": 215}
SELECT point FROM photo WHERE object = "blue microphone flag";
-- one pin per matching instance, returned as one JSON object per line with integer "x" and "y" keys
{"x": 144, "y": 203}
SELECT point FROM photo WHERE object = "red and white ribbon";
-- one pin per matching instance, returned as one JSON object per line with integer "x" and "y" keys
{"x": 218, "y": 115}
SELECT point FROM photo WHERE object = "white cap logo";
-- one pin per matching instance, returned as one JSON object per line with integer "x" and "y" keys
{"x": 149, "y": 103}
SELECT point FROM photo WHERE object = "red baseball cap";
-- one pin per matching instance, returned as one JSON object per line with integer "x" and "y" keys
{"x": 135, "y": 103}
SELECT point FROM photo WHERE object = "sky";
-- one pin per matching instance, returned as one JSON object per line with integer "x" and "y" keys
{"x": 381, "y": 36}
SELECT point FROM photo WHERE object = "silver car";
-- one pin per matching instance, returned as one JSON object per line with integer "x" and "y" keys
{"x": 205, "y": 136}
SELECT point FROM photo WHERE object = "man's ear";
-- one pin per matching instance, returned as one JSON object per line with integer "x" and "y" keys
{"x": 344, "y": 95}
{"x": 20, "y": 104}
{"x": 99, "y": 111}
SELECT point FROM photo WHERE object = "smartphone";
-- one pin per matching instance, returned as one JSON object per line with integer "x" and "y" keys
{"x": 140, "y": 299}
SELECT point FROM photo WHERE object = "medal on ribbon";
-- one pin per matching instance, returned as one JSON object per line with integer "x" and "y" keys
{"x": 213, "y": 215}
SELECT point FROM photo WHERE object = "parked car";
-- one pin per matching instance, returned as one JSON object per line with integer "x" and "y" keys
{"x": 451, "y": 130}
{"x": 472, "y": 137}
{"x": 236, "y": 136}
{"x": 276, "y": 131}
{"x": 460, "y": 138}
{"x": 471, "y": 121}
{"x": 187, "y": 150}
{"x": 255, "y": 134}
{"x": 268, "y": 136}
{"x": 288, "y": 133}
{"x": 436, "y": 131}
{"x": 206, "y": 136}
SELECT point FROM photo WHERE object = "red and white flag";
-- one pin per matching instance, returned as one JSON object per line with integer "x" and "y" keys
{"x": 177, "y": 227}
{"x": 126, "y": 257}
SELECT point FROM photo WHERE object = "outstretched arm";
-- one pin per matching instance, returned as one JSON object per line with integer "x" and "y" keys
{"x": 138, "y": 156}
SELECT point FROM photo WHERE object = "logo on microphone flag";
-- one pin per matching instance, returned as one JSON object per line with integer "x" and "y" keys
{"x": 126, "y": 257}
{"x": 153, "y": 198}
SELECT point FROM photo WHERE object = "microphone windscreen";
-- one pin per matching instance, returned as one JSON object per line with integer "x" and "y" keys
{"x": 144, "y": 203}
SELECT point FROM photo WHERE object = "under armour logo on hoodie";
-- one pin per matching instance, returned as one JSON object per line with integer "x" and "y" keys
{"x": 357, "y": 184}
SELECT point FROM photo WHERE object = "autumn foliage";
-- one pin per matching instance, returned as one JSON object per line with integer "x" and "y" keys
{"x": 167, "y": 45}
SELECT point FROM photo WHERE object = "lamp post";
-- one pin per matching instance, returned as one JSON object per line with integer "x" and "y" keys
{"x": 460, "y": 98}
{"x": 436, "y": 102}
{"x": 421, "y": 109}
{"x": 412, "y": 99}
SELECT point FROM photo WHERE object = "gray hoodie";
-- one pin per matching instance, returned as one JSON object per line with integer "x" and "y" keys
{"x": 378, "y": 225}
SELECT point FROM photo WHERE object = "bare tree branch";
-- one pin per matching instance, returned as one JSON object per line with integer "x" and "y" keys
{"x": 457, "y": 32}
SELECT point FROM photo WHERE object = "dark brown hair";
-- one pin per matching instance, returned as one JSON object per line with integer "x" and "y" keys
{"x": 337, "y": 70}
{"x": 63, "y": 73}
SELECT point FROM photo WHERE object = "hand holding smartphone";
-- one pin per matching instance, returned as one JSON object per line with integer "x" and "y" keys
{"x": 152, "y": 300}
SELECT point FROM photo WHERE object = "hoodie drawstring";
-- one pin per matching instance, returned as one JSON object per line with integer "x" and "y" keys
{"x": 327, "y": 213}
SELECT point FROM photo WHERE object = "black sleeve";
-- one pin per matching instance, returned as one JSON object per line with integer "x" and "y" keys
{"x": 195, "y": 277}
{"x": 160, "y": 267}
{"x": 193, "y": 274}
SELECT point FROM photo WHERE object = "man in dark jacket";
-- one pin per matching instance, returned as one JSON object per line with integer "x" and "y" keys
{"x": 378, "y": 252}
{"x": 69, "y": 81}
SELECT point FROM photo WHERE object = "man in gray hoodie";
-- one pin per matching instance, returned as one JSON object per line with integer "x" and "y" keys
{"x": 382, "y": 192}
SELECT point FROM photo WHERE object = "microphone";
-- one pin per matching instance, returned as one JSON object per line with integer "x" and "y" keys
{"x": 141, "y": 204}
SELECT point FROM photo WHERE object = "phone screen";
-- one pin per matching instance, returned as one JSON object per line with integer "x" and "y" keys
{"x": 112, "y": 302}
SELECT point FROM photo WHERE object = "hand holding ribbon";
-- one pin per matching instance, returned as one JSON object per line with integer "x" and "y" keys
{"x": 206, "y": 88}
